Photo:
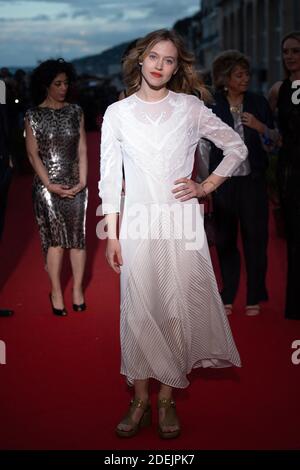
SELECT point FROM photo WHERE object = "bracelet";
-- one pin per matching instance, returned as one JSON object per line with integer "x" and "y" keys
{"x": 203, "y": 191}
{"x": 210, "y": 182}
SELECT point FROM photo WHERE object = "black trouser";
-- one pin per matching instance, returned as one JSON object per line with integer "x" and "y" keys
{"x": 244, "y": 200}
{"x": 5, "y": 178}
{"x": 288, "y": 179}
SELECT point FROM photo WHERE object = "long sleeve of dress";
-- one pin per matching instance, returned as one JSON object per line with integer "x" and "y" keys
{"x": 110, "y": 184}
{"x": 224, "y": 137}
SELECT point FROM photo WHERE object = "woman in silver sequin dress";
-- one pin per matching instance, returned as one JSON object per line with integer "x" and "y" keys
{"x": 56, "y": 147}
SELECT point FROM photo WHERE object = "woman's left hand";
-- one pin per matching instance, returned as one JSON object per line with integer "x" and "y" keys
{"x": 77, "y": 188}
{"x": 188, "y": 189}
{"x": 250, "y": 121}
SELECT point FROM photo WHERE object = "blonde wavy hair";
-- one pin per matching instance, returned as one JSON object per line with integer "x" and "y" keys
{"x": 186, "y": 79}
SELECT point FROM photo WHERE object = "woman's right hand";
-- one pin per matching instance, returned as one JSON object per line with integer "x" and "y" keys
{"x": 61, "y": 190}
{"x": 113, "y": 254}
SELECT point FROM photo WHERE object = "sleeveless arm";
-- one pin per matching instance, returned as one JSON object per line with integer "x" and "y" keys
{"x": 273, "y": 95}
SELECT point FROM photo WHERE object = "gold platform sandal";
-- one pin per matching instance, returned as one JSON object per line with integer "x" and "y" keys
{"x": 127, "y": 420}
{"x": 171, "y": 418}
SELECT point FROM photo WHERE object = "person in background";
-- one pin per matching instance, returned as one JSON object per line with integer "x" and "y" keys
{"x": 284, "y": 98}
{"x": 172, "y": 316}
{"x": 242, "y": 200}
{"x": 5, "y": 179}
{"x": 56, "y": 146}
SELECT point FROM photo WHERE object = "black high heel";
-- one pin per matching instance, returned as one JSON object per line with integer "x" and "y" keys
{"x": 79, "y": 308}
{"x": 61, "y": 312}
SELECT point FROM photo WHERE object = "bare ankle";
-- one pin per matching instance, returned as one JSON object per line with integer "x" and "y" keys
{"x": 142, "y": 397}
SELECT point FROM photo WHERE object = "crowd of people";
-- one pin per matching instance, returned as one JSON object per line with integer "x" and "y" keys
{"x": 173, "y": 318}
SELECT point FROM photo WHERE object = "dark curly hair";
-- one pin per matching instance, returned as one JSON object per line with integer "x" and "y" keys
{"x": 43, "y": 75}
{"x": 224, "y": 64}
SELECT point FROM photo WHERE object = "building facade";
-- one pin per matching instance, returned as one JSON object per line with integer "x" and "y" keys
{"x": 211, "y": 42}
{"x": 254, "y": 27}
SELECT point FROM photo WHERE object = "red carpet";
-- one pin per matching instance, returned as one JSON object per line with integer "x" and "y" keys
{"x": 60, "y": 387}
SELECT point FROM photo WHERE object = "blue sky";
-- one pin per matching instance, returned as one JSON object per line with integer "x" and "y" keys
{"x": 36, "y": 30}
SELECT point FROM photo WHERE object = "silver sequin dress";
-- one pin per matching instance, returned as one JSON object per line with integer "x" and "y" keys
{"x": 61, "y": 221}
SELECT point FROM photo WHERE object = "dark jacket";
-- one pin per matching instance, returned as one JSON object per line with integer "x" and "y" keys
{"x": 259, "y": 107}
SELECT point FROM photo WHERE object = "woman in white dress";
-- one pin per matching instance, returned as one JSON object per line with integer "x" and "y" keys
{"x": 172, "y": 317}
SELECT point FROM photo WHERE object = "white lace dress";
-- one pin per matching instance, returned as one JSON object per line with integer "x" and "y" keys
{"x": 172, "y": 316}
